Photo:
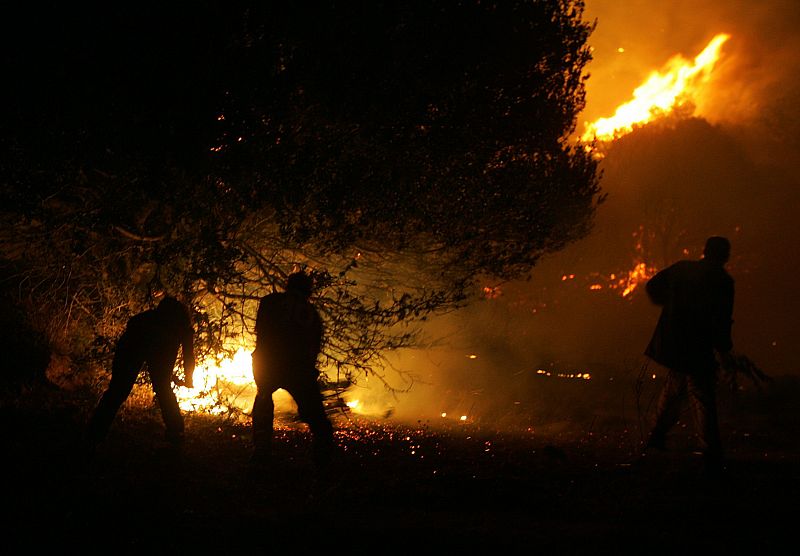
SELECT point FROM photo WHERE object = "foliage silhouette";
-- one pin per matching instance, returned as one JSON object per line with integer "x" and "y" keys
{"x": 401, "y": 153}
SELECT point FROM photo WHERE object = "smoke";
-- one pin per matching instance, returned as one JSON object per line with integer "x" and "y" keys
{"x": 734, "y": 171}
{"x": 730, "y": 169}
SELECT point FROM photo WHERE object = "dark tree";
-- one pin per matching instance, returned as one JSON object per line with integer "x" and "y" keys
{"x": 402, "y": 151}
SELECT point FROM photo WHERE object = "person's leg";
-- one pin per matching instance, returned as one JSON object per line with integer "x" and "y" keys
{"x": 311, "y": 410}
{"x": 263, "y": 416}
{"x": 161, "y": 377}
{"x": 123, "y": 375}
{"x": 703, "y": 396}
{"x": 669, "y": 406}
{"x": 263, "y": 409}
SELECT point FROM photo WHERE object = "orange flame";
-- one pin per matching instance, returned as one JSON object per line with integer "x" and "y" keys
{"x": 230, "y": 379}
{"x": 226, "y": 386}
{"x": 640, "y": 274}
{"x": 679, "y": 81}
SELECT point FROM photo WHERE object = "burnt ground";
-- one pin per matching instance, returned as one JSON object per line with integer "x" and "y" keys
{"x": 453, "y": 488}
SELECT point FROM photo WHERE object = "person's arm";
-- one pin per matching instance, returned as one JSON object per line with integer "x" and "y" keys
{"x": 187, "y": 345}
{"x": 658, "y": 287}
{"x": 723, "y": 319}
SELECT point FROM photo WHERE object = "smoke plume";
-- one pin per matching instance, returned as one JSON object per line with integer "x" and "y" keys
{"x": 725, "y": 166}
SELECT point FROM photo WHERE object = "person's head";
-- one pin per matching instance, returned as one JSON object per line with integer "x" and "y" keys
{"x": 301, "y": 283}
{"x": 717, "y": 249}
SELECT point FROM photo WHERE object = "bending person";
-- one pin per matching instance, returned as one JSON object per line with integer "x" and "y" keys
{"x": 151, "y": 339}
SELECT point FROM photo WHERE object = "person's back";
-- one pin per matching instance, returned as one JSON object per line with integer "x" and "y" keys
{"x": 288, "y": 341}
{"x": 153, "y": 338}
{"x": 697, "y": 301}
{"x": 288, "y": 334}
{"x": 138, "y": 330}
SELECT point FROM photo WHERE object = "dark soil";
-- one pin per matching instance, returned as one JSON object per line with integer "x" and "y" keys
{"x": 395, "y": 487}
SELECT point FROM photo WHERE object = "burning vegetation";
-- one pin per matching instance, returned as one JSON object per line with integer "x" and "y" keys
{"x": 388, "y": 258}
{"x": 677, "y": 84}
{"x": 412, "y": 179}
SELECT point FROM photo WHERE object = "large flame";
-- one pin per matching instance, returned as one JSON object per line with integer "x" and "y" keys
{"x": 678, "y": 82}
{"x": 226, "y": 386}
{"x": 220, "y": 385}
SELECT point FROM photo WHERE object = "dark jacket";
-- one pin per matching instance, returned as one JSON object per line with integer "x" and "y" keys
{"x": 288, "y": 336}
{"x": 696, "y": 317}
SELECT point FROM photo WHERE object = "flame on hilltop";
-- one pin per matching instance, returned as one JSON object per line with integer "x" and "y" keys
{"x": 679, "y": 81}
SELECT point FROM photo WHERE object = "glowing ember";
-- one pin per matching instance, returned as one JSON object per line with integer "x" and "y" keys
{"x": 492, "y": 292}
{"x": 679, "y": 81}
{"x": 575, "y": 375}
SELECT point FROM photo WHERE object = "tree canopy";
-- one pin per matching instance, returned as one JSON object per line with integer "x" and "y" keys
{"x": 401, "y": 151}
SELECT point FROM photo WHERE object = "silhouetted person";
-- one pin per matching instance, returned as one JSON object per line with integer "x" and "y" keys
{"x": 151, "y": 339}
{"x": 288, "y": 341}
{"x": 696, "y": 317}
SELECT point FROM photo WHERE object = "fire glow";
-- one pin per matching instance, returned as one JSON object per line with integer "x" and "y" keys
{"x": 226, "y": 386}
{"x": 220, "y": 385}
{"x": 678, "y": 82}
{"x": 627, "y": 282}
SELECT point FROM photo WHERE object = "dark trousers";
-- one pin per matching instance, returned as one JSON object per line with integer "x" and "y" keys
{"x": 306, "y": 394}
{"x": 700, "y": 389}
{"x": 124, "y": 371}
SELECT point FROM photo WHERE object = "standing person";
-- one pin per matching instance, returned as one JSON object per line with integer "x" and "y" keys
{"x": 288, "y": 341}
{"x": 151, "y": 339}
{"x": 696, "y": 317}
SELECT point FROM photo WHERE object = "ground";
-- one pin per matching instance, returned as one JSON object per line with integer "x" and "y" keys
{"x": 396, "y": 487}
